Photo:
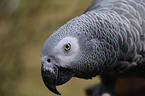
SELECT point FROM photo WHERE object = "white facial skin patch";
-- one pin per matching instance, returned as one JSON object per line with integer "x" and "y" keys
{"x": 66, "y": 56}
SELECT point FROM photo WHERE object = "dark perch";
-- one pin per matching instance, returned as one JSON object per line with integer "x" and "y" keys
{"x": 120, "y": 84}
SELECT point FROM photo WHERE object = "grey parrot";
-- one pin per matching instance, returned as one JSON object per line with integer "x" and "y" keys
{"x": 107, "y": 40}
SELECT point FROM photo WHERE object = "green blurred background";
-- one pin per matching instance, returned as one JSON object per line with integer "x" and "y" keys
{"x": 24, "y": 27}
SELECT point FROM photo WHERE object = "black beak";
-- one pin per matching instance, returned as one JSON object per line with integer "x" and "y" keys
{"x": 58, "y": 76}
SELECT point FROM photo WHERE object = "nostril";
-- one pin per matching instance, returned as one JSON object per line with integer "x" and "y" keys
{"x": 48, "y": 60}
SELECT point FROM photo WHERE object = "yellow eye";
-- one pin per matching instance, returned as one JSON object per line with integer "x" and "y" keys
{"x": 67, "y": 47}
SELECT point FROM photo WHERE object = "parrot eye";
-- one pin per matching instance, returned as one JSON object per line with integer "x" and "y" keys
{"x": 67, "y": 47}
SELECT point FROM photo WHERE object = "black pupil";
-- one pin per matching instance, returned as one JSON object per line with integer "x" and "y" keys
{"x": 48, "y": 60}
{"x": 67, "y": 46}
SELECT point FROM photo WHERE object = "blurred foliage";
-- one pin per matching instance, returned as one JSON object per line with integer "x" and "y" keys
{"x": 24, "y": 27}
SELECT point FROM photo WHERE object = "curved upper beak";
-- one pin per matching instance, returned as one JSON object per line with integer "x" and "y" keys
{"x": 57, "y": 76}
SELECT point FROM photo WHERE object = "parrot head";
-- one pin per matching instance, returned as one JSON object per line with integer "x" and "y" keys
{"x": 68, "y": 53}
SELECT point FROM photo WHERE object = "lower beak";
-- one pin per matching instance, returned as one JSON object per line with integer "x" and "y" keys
{"x": 58, "y": 76}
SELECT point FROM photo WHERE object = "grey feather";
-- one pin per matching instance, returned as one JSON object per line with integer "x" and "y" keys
{"x": 110, "y": 35}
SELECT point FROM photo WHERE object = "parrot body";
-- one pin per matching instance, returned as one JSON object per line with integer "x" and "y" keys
{"x": 107, "y": 40}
